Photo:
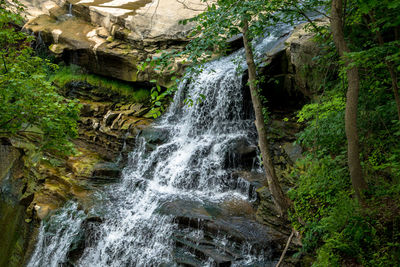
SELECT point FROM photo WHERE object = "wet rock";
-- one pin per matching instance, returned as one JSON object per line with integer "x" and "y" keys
{"x": 185, "y": 258}
{"x": 107, "y": 169}
{"x": 86, "y": 233}
{"x": 240, "y": 154}
{"x": 154, "y": 135}
{"x": 236, "y": 222}
{"x": 105, "y": 173}
{"x": 256, "y": 179}
{"x": 205, "y": 251}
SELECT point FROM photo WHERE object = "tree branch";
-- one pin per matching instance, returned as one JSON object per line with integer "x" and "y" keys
{"x": 5, "y": 64}
{"x": 286, "y": 249}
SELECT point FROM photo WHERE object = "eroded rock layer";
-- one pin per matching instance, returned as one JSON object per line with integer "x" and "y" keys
{"x": 112, "y": 37}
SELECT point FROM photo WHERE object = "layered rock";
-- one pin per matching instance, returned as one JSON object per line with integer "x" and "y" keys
{"x": 108, "y": 123}
{"x": 112, "y": 38}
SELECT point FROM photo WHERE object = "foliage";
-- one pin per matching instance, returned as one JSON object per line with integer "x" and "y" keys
{"x": 27, "y": 99}
{"x": 67, "y": 74}
{"x": 160, "y": 98}
{"x": 335, "y": 228}
{"x": 325, "y": 125}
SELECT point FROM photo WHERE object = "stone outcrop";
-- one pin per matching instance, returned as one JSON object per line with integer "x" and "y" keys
{"x": 301, "y": 51}
{"x": 112, "y": 38}
{"x": 108, "y": 123}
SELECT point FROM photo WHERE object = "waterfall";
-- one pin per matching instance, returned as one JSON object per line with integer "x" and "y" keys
{"x": 185, "y": 178}
{"x": 56, "y": 236}
{"x": 69, "y": 10}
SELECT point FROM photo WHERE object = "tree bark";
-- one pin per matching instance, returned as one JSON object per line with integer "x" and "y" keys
{"x": 280, "y": 200}
{"x": 395, "y": 85}
{"x": 353, "y": 149}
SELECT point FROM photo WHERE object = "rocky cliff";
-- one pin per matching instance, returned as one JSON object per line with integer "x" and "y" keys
{"x": 112, "y": 37}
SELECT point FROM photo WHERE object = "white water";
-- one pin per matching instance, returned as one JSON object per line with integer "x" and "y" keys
{"x": 188, "y": 166}
{"x": 69, "y": 10}
{"x": 55, "y": 237}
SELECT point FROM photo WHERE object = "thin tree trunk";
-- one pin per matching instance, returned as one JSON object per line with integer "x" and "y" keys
{"x": 280, "y": 200}
{"x": 353, "y": 149}
{"x": 395, "y": 85}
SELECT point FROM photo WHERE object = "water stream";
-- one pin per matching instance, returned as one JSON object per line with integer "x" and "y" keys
{"x": 186, "y": 178}
{"x": 70, "y": 10}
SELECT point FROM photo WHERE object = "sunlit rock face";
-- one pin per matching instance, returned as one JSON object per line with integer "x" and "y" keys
{"x": 148, "y": 20}
{"x": 112, "y": 37}
{"x": 156, "y": 20}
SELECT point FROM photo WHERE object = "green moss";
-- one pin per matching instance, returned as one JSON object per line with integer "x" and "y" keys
{"x": 73, "y": 73}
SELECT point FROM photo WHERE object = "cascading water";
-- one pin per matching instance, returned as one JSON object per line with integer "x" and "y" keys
{"x": 139, "y": 225}
{"x": 69, "y": 10}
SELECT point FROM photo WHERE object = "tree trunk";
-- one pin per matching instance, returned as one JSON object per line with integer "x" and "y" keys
{"x": 280, "y": 200}
{"x": 395, "y": 86}
{"x": 353, "y": 150}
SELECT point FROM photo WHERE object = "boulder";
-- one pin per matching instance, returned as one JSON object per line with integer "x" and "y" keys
{"x": 233, "y": 218}
{"x": 155, "y": 135}
{"x": 301, "y": 49}
{"x": 240, "y": 153}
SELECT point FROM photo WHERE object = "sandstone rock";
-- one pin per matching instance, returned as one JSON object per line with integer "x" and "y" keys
{"x": 112, "y": 38}
{"x": 90, "y": 108}
{"x": 83, "y": 164}
{"x": 102, "y": 32}
{"x": 256, "y": 180}
{"x": 301, "y": 50}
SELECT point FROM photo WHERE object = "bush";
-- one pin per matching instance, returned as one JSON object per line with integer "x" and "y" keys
{"x": 27, "y": 99}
